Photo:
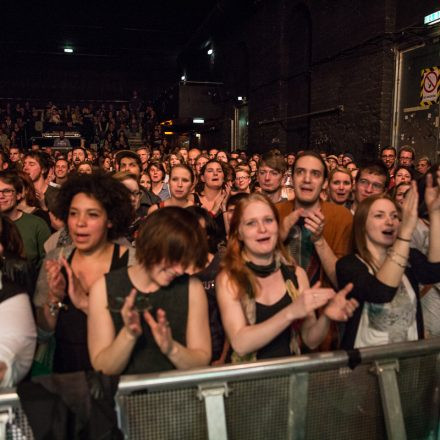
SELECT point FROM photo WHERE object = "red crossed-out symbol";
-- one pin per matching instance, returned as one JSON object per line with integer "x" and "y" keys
{"x": 430, "y": 82}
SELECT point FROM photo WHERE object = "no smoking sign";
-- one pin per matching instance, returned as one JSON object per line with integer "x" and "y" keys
{"x": 429, "y": 89}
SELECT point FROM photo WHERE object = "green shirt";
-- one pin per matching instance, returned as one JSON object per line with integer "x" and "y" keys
{"x": 34, "y": 232}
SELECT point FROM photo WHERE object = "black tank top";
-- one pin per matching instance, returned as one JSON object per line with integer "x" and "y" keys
{"x": 71, "y": 352}
{"x": 173, "y": 299}
{"x": 280, "y": 345}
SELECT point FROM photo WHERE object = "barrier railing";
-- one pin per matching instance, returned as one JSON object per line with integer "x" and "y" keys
{"x": 378, "y": 392}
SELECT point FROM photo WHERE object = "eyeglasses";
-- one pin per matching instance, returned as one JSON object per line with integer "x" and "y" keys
{"x": 376, "y": 186}
{"x": 141, "y": 303}
{"x": 7, "y": 192}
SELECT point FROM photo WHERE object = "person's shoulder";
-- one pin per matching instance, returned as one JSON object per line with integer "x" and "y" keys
{"x": 336, "y": 212}
{"x": 350, "y": 261}
{"x": 33, "y": 219}
{"x": 285, "y": 208}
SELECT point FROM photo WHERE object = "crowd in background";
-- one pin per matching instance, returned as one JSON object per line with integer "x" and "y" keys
{"x": 141, "y": 260}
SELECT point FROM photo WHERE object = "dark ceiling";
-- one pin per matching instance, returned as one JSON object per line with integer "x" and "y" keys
{"x": 102, "y": 29}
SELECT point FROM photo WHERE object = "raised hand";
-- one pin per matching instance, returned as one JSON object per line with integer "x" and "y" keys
{"x": 409, "y": 212}
{"x": 130, "y": 316}
{"x": 339, "y": 307}
{"x": 77, "y": 294}
{"x": 160, "y": 330}
{"x": 432, "y": 193}
{"x": 55, "y": 280}
{"x": 314, "y": 222}
{"x": 312, "y": 299}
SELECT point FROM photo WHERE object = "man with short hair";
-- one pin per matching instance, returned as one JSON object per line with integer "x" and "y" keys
{"x": 61, "y": 141}
{"x": 61, "y": 169}
{"x": 388, "y": 156}
{"x": 144, "y": 155}
{"x": 37, "y": 166}
{"x": 423, "y": 165}
{"x": 156, "y": 155}
{"x": 270, "y": 175}
{"x": 318, "y": 233}
{"x": 33, "y": 230}
{"x": 127, "y": 160}
{"x": 79, "y": 155}
{"x": 407, "y": 156}
{"x": 193, "y": 154}
{"x": 372, "y": 179}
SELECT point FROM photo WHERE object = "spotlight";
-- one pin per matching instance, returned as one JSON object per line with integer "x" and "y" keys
{"x": 210, "y": 51}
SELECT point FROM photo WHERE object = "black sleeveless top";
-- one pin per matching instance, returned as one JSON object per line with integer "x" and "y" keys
{"x": 71, "y": 352}
{"x": 173, "y": 299}
{"x": 9, "y": 289}
{"x": 280, "y": 345}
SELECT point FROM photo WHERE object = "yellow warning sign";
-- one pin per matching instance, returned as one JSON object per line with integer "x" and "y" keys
{"x": 429, "y": 86}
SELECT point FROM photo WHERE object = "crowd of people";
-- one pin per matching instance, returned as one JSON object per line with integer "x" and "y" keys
{"x": 134, "y": 261}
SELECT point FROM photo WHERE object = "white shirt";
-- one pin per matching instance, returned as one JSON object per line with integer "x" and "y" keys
{"x": 17, "y": 338}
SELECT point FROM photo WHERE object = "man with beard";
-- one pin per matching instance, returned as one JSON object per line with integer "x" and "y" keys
{"x": 79, "y": 155}
{"x": 388, "y": 156}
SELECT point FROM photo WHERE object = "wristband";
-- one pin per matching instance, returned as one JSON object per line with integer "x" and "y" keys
{"x": 403, "y": 239}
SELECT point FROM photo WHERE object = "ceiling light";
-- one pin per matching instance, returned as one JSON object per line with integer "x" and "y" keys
{"x": 68, "y": 50}
{"x": 198, "y": 121}
{"x": 210, "y": 51}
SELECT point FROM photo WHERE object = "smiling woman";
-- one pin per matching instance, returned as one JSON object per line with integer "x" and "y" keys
{"x": 386, "y": 273}
{"x": 152, "y": 316}
{"x": 264, "y": 297}
{"x": 97, "y": 210}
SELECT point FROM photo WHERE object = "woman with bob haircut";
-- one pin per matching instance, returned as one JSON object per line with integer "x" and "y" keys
{"x": 157, "y": 173}
{"x": 152, "y": 316}
{"x": 386, "y": 272}
{"x": 264, "y": 297}
{"x": 96, "y": 209}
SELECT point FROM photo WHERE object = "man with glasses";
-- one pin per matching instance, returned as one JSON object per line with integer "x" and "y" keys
{"x": 407, "y": 156}
{"x": 270, "y": 175}
{"x": 33, "y": 230}
{"x": 372, "y": 179}
{"x": 388, "y": 157}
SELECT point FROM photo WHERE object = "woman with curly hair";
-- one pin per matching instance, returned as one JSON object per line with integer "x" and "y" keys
{"x": 265, "y": 298}
{"x": 96, "y": 209}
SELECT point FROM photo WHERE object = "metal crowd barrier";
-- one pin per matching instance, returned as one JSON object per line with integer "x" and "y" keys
{"x": 374, "y": 393}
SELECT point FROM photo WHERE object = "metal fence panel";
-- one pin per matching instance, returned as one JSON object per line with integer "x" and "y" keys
{"x": 418, "y": 385}
{"x": 171, "y": 414}
{"x": 344, "y": 404}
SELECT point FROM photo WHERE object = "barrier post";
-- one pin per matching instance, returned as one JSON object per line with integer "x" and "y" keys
{"x": 390, "y": 396}
{"x": 213, "y": 394}
{"x": 298, "y": 392}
